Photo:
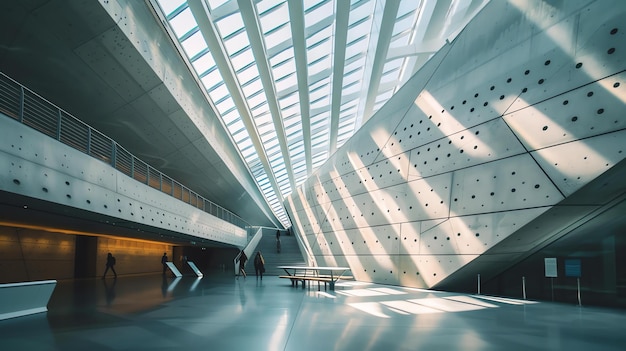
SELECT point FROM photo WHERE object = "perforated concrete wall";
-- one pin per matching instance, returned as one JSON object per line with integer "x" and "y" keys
{"x": 37, "y": 166}
{"x": 519, "y": 111}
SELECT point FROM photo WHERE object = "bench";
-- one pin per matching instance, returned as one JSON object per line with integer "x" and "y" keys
{"x": 304, "y": 274}
{"x": 303, "y": 278}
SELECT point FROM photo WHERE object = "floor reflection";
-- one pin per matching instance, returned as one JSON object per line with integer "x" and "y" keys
{"x": 219, "y": 312}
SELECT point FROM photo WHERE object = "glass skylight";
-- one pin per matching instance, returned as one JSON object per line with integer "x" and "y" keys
{"x": 270, "y": 77}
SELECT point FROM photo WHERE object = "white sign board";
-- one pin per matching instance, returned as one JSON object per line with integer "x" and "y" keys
{"x": 550, "y": 263}
{"x": 194, "y": 268}
{"x": 173, "y": 269}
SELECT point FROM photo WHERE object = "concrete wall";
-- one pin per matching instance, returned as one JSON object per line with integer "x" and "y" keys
{"x": 37, "y": 166}
{"x": 521, "y": 110}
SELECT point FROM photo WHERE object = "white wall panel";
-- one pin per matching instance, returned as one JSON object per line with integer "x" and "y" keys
{"x": 484, "y": 143}
{"x": 473, "y": 235}
{"x": 590, "y": 110}
{"x": 574, "y": 164}
{"x": 434, "y": 268}
{"x": 410, "y": 237}
{"x": 511, "y": 183}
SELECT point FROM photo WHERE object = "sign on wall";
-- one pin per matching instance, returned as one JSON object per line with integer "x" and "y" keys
{"x": 550, "y": 265}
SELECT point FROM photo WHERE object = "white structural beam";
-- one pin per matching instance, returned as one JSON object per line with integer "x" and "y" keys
{"x": 253, "y": 28}
{"x": 296, "y": 13}
{"x": 214, "y": 42}
{"x": 341, "y": 34}
{"x": 382, "y": 46}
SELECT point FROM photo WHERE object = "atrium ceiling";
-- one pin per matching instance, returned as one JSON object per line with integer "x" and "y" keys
{"x": 293, "y": 80}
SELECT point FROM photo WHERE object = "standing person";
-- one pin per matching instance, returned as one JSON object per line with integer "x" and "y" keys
{"x": 242, "y": 262}
{"x": 278, "y": 241}
{"x": 110, "y": 264}
{"x": 164, "y": 262}
{"x": 259, "y": 265}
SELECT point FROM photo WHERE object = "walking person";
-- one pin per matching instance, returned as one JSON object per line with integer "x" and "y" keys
{"x": 242, "y": 263}
{"x": 164, "y": 262}
{"x": 110, "y": 265}
{"x": 259, "y": 265}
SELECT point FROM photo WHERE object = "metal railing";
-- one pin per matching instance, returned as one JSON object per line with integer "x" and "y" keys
{"x": 25, "y": 106}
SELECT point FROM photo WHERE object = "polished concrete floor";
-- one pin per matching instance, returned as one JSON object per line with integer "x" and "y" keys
{"x": 219, "y": 312}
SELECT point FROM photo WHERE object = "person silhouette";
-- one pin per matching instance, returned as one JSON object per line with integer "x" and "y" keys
{"x": 110, "y": 265}
{"x": 242, "y": 263}
{"x": 259, "y": 265}
{"x": 164, "y": 262}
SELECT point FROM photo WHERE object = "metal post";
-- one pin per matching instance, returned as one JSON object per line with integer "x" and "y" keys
{"x": 524, "y": 287}
{"x": 578, "y": 283}
{"x": 478, "y": 283}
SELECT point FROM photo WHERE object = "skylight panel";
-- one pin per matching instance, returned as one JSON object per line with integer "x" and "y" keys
{"x": 212, "y": 76}
{"x": 230, "y": 24}
{"x": 279, "y": 35}
{"x": 183, "y": 22}
{"x": 286, "y": 82}
{"x": 236, "y": 43}
{"x": 204, "y": 63}
{"x": 362, "y": 9}
{"x": 284, "y": 68}
{"x": 248, "y": 74}
{"x": 240, "y": 135}
{"x": 168, "y": 6}
{"x": 236, "y": 125}
{"x": 213, "y": 4}
{"x": 252, "y": 88}
{"x": 194, "y": 44}
{"x": 281, "y": 56}
{"x": 242, "y": 59}
{"x": 318, "y": 13}
{"x": 265, "y": 6}
{"x": 225, "y": 102}
{"x": 321, "y": 49}
{"x": 318, "y": 36}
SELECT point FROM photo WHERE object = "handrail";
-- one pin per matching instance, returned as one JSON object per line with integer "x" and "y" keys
{"x": 25, "y": 106}
{"x": 249, "y": 248}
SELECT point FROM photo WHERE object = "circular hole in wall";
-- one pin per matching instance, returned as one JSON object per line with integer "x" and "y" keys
{"x": 16, "y": 181}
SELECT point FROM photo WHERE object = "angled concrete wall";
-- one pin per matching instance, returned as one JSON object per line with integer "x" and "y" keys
{"x": 521, "y": 110}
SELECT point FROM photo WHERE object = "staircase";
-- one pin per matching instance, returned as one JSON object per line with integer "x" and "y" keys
{"x": 289, "y": 255}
